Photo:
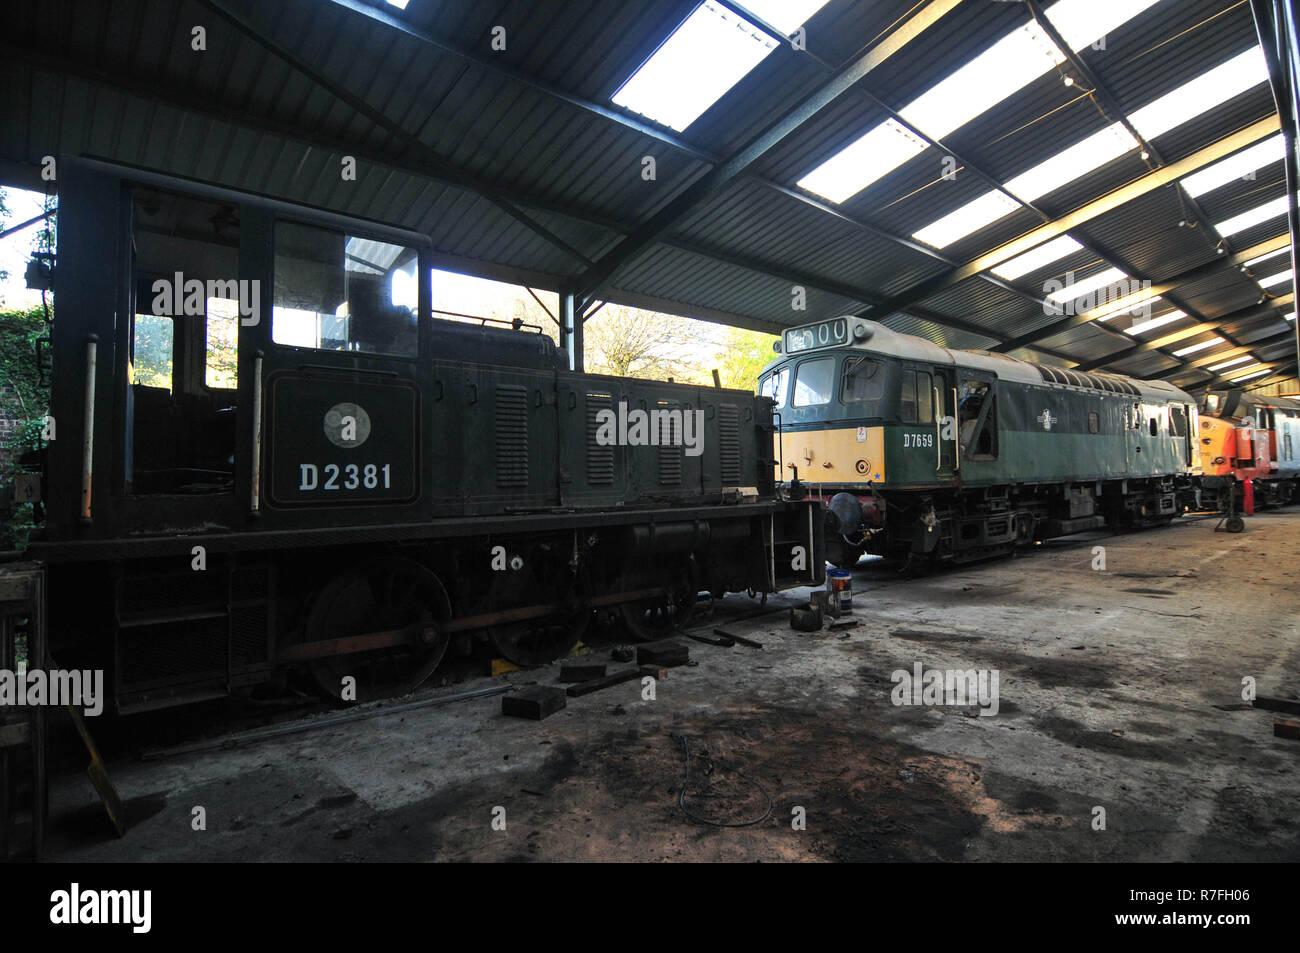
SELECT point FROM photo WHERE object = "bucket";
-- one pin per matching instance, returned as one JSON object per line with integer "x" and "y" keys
{"x": 839, "y": 583}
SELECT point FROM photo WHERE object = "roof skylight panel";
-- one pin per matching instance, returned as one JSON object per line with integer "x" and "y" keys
{"x": 1036, "y": 258}
{"x": 1253, "y": 217}
{"x": 1241, "y": 373}
{"x": 1210, "y": 89}
{"x": 1075, "y": 162}
{"x": 1236, "y": 166}
{"x": 1273, "y": 254}
{"x": 971, "y": 217}
{"x": 1277, "y": 279}
{"x": 1014, "y": 62}
{"x": 710, "y": 52}
{"x": 1077, "y": 289}
{"x": 786, "y": 15}
{"x": 1235, "y": 360}
{"x": 1010, "y": 64}
{"x": 1182, "y": 352}
{"x": 1143, "y": 327}
{"x": 1199, "y": 95}
{"x": 880, "y": 151}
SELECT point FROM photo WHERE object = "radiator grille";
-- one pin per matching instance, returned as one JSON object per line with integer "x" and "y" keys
{"x": 172, "y": 652}
{"x": 512, "y": 436}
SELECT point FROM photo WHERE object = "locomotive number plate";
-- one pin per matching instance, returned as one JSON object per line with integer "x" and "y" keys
{"x": 918, "y": 440}
{"x": 339, "y": 440}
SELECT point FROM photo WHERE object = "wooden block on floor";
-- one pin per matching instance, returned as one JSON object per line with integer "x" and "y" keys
{"x": 1285, "y": 728}
{"x": 581, "y": 671}
{"x": 665, "y": 653}
{"x": 536, "y": 703}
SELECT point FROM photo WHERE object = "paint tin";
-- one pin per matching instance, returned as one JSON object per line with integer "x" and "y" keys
{"x": 839, "y": 583}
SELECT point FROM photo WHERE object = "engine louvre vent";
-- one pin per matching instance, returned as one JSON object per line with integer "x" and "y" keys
{"x": 512, "y": 435}
{"x": 729, "y": 444}
{"x": 600, "y": 460}
{"x": 670, "y": 445}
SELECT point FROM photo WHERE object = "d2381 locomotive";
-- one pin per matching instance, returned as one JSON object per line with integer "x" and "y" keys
{"x": 269, "y": 455}
{"x": 923, "y": 452}
{"x": 1245, "y": 437}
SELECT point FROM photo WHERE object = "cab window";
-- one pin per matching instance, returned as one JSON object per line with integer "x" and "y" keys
{"x": 864, "y": 382}
{"x": 813, "y": 382}
{"x": 916, "y": 398}
{"x": 337, "y": 292}
{"x": 774, "y": 386}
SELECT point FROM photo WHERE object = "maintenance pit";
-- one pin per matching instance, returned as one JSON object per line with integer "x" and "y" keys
{"x": 1119, "y": 689}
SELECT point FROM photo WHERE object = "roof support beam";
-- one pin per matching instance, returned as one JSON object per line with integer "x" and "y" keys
{"x": 598, "y": 275}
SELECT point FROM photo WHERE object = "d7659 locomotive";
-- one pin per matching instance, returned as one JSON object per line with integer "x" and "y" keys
{"x": 268, "y": 454}
{"x": 924, "y": 452}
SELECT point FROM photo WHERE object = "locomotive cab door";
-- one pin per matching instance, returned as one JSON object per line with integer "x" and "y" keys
{"x": 343, "y": 357}
{"x": 945, "y": 397}
{"x": 177, "y": 404}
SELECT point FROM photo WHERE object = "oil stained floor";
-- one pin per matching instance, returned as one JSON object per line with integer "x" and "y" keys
{"x": 1119, "y": 699}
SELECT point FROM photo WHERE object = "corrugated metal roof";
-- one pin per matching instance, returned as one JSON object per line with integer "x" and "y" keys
{"x": 532, "y": 125}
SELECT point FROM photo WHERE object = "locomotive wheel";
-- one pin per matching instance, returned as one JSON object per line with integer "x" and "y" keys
{"x": 530, "y": 642}
{"x": 385, "y": 593}
{"x": 660, "y": 616}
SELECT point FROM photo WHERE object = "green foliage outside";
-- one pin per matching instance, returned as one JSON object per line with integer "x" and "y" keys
{"x": 743, "y": 355}
{"x": 28, "y": 401}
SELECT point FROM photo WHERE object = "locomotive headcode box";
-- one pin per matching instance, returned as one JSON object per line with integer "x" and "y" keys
{"x": 341, "y": 439}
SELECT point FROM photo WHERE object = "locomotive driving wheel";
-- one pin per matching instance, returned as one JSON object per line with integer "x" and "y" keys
{"x": 530, "y": 642}
{"x": 660, "y": 616}
{"x": 387, "y": 594}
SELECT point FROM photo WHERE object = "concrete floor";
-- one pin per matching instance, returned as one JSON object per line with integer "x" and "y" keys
{"x": 1111, "y": 684}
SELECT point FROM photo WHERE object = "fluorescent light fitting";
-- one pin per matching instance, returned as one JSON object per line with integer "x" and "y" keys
{"x": 400, "y": 4}
{"x": 1255, "y": 216}
{"x": 856, "y": 166}
{"x": 1037, "y": 258}
{"x": 1198, "y": 347}
{"x": 1277, "y": 279}
{"x": 1236, "y": 166}
{"x": 1235, "y": 360}
{"x": 1246, "y": 377}
{"x": 708, "y": 54}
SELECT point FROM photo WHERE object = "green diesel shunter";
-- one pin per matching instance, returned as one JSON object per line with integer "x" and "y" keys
{"x": 927, "y": 452}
